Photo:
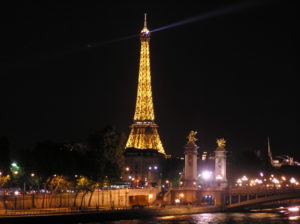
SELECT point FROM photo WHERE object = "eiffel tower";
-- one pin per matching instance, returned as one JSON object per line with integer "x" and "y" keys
{"x": 144, "y": 133}
{"x": 144, "y": 152}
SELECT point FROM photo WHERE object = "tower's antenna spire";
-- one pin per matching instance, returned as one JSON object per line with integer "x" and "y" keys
{"x": 145, "y": 20}
{"x": 269, "y": 150}
{"x": 145, "y": 32}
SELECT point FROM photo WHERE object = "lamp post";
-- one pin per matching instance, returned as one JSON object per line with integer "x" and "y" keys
{"x": 206, "y": 176}
{"x": 98, "y": 197}
{"x": 24, "y": 191}
{"x": 150, "y": 175}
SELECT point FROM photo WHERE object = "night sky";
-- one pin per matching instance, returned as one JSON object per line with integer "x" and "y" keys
{"x": 231, "y": 76}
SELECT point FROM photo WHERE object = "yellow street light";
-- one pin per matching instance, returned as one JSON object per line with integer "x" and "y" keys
{"x": 293, "y": 180}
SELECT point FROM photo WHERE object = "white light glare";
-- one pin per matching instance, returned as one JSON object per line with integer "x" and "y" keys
{"x": 219, "y": 177}
{"x": 261, "y": 174}
{"x": 275, "y": 181}
{"x": 244, "y": 178}
{"x": 206, "y": 174}
{"x": 293, "y": 209}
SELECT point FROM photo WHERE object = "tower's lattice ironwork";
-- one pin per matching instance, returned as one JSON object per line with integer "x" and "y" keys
{"x": 144, "y": 133}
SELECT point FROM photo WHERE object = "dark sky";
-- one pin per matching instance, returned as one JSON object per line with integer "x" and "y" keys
{"x": 231, "y": 76}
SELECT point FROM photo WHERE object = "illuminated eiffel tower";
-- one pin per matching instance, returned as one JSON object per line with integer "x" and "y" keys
{"x": 144, "y": 133}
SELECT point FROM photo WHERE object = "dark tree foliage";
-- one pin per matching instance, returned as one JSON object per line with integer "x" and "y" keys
{"x": 171, "y": 169}
{"x": 4, "y": 154}
{"x": 107, "y": 150}
{"x": 245, "y": 163}
{"x": 99, "y": 156}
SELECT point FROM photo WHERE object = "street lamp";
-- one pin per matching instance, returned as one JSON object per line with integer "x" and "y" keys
{"x": 244, "y": 178}
{"x": 293, "y": 180}
{"x": 261, "y": 174}
{"x": 206, "y": 175}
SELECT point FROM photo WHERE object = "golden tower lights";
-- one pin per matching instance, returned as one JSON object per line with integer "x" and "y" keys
{"x": 144, "y": 133}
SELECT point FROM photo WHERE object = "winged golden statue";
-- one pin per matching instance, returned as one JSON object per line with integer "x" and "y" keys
{"x": 221, "y": 142}
{"x": 191, "y": 137}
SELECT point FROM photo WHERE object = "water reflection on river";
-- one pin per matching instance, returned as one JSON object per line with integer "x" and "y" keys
{"x": 213, "y": 218}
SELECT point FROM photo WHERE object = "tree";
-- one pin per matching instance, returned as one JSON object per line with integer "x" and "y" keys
{"x": 99, "y": 156}
{"x": 17, "y": 174}
{"x": 4, "y": 180}
{"x": 244, "y": 162}
{"x": 5, "y": 154}
{"x": 94, "y": 186}
{"x": 57, "y": 184}
{"x": 85, "y": 185}
{"x": 171, "y": 169}
{"x": 49, "y": 157}
{"x": 106, "y": 148}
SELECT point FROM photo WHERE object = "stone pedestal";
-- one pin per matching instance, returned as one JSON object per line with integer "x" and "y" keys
{"x": 190, "y": 168}
{"x": 206, "y": 196}
{"x": 220, "y": 167}
{"x": 184, "y": 196}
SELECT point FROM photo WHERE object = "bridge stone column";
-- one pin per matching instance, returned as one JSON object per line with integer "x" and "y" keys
{"x": 190, "y": 168}
{"x": 220, "y": 164}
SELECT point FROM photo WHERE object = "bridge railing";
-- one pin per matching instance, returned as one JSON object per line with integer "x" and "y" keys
{"x": 262, "y": 189}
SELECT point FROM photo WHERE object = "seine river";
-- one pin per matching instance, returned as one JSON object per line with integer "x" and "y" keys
{"x": 212, "y": 218}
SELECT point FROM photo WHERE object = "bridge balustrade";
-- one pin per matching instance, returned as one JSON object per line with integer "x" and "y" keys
{"x": 246, "y": 193}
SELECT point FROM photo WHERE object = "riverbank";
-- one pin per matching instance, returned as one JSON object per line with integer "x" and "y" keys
{"x": 101, "y": 215}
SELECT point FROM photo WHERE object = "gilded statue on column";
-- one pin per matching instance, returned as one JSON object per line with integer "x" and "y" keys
{"x": 191, "y": 137}
{"x": 221, "y": 142}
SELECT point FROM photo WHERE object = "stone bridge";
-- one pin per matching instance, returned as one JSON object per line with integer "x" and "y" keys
{"x": 247, "y": 197}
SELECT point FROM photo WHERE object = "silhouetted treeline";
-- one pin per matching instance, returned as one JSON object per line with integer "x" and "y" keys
{"x": 100, "y": 155}
{"x": 4, "y": 154}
